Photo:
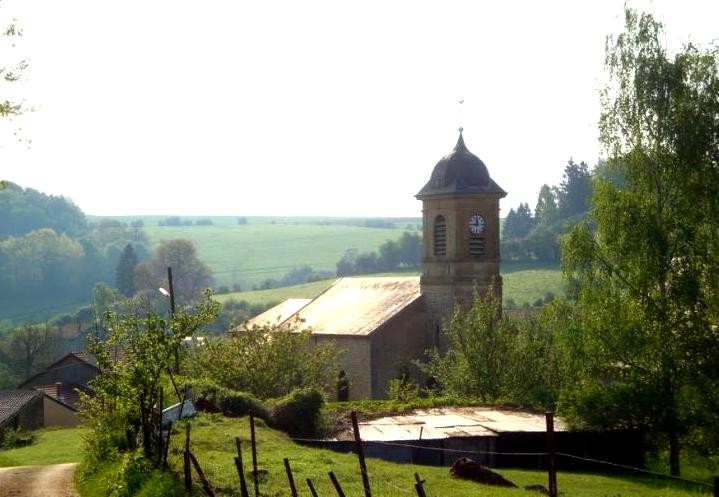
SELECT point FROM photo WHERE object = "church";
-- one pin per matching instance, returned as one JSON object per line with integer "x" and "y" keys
{"x": 384, "y": 323}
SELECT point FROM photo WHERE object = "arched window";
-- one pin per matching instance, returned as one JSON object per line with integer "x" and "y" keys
{"x": 440, "y": 235}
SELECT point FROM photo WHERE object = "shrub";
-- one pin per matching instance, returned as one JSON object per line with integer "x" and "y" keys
{"x": 299, "y": 413}
{"x": 11, "y": 439}
{"x": 403, "y": 389}
{"x": 230, "y": 401}
{"x": 241, "y": 404}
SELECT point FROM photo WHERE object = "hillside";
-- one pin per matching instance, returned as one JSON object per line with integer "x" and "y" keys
{"x": 523, "y": 283}
{"x": 213, "y": 445}
{"x": 247, "y": 254}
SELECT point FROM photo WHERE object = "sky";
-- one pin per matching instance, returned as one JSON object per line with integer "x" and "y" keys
{"x": 327, "y": 108}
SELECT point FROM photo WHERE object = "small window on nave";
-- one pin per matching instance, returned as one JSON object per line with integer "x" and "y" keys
{"x": 440, "y": 235}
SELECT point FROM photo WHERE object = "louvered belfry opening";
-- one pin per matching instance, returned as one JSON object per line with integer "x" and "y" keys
{"x": 476, "y": 245}
{"x": 440, "y": 235}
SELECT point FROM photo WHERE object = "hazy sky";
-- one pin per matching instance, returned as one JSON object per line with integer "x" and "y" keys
{"x": 306, "y": 108}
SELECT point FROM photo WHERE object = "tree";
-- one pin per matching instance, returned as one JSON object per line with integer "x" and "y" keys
{"x": 546, "y": 211}
{"x": 575, "y": 190}
{"x": 518, "y": 223}
{"x": 191, "y": 275}
{"x": 11, "y": 73}
{"x": 491, "y": 358}
{"x": 268, "y": 361}
{"x": 648, "y": 294}
{"x": 125, "y": 271}
{"x": 126, "y": 394}
{"x": 27, "y": 348}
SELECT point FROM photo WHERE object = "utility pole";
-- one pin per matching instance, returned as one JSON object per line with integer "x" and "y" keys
{"x": 172, "y": 315}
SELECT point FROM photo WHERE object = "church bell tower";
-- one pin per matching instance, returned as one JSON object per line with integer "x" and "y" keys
{"x": 460, "y": 206}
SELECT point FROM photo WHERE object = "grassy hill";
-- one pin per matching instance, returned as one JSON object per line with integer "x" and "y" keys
{"x": 247, "y": 254}
{"x": 523, "y": 283}
{"x": 270, "y": 247}
{"x": 214, "y": 446}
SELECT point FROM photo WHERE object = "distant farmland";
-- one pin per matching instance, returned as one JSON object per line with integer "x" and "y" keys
{"x": 270, "y": 247}
{"x": 522, "y": 284}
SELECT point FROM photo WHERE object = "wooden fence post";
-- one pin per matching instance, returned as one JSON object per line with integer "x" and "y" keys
{"x": 160, "y": 438}
{"x": 186, "y": 459}
{"x": 167, "y": 446}
{"x": 336, "y": 484}
{"x": 288, "y": 470}
{"x": 716, "y": 486}
{"x": 312, "y": 488}
{"x": 241, "y": 468}
{"x": 551, "y": 457}
{"x": 255, "y": 474}
{"x": 419, "y": 486}
{"x": 205, "y": 482}
{"x": 360, "y": 455}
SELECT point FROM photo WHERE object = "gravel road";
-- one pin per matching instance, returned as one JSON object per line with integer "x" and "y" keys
{"x": 54, "y": 480}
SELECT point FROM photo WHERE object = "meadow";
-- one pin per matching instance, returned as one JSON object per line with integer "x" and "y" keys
{"x": 522, "y": 283}
{"x": 213, "y": 445}
{"x": 248, "y": 254}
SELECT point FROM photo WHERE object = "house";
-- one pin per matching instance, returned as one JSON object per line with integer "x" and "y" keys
{"x": 64, "y": 379}
{"x": 383, "y": 324}
{"x": 31, "y": 409}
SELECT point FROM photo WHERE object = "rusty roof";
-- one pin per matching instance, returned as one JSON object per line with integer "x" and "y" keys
{"x": 358, "y": 306}
{"x": 279, "y": 313}
{"x": 353, "y": 306}
{"x": 449, "y": 422}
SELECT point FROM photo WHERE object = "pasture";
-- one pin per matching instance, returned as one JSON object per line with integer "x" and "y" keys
{"x": 248, "y": 254}
{"x": 522, "y": 283}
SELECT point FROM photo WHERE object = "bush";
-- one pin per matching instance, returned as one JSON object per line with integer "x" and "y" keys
{"x": 230, "y": 401}
{"x": 241, "y": 404}
{"x": 11, "y": 439}
{"x": 299, "y": 413}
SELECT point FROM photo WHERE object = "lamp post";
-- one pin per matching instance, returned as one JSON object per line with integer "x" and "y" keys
{"x": 171, "y": 295}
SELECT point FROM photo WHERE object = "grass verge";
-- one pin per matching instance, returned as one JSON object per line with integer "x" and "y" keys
{"x": 51, "y": 446}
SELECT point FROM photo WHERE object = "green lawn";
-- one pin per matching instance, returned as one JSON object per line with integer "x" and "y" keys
{"x": 213, "y": 444}
{"x": 51, "y": 446}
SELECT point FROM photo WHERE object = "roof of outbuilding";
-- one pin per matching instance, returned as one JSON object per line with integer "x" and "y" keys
{"x": 449, "y": 422}
{"x": 351, "y": 306}
{"x": 12, "y": 401}
{"x": 460, "y": 172}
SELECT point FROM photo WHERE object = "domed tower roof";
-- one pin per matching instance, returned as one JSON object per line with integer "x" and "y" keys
{"x": 459, "y": 172}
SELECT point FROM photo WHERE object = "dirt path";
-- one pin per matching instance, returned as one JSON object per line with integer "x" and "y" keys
{"x": 54, "y": 480}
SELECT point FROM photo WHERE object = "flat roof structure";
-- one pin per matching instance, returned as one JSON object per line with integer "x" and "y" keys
{"x": 451, "y": 422}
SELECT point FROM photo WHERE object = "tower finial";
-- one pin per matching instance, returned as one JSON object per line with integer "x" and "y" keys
{"x": 460, "y": 130}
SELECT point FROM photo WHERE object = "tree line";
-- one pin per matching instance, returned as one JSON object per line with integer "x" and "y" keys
{"x": 535, "y": 235}
{"x": 392, "y": 255}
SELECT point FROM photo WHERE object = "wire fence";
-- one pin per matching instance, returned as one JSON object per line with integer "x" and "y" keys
{"x": 467, "y": 452}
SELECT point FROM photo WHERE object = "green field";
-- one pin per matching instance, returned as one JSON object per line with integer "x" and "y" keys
{"x": 248, "y": 254}
{"x": 213, "y": 444}
{"x": 523, "y": 283}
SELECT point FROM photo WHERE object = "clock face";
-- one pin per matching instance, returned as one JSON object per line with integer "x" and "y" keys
{"x": 476, "y": 224}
